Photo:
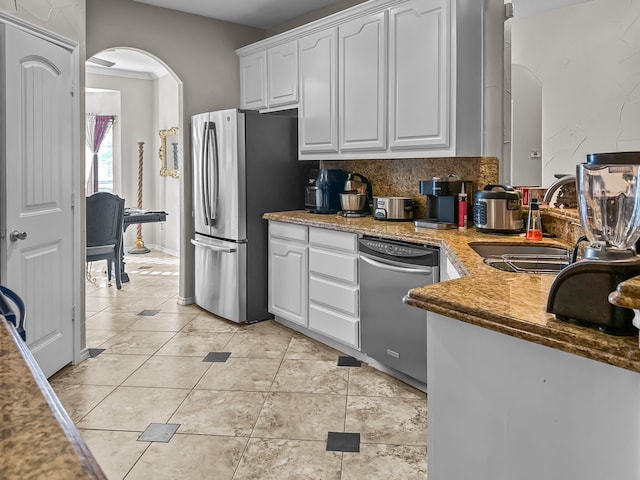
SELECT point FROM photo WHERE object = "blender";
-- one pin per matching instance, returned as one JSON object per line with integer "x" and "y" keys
{"x": 609, "y": 207}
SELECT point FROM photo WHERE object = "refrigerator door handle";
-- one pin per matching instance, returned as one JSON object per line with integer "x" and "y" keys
{"x": 215, "y": 248}
{"x": 211, "y": 160}
{"x": 204, "y": 168}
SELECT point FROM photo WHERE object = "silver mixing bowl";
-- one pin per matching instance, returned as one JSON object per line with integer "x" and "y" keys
{"x": 352, "y": 202}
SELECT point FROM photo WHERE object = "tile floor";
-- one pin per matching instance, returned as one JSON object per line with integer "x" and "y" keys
{"x": 264, "y": 413}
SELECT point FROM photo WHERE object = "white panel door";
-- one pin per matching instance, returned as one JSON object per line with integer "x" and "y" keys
{"x": 282, "y": 74}
{"x": 419, "y": 64}
{"x": 318, "y": 62}
{"x": 253, "y": 81}
{"x": 288, "y": 280}
{"x": 37, "y": 191}
{"x": 362, "y": 87}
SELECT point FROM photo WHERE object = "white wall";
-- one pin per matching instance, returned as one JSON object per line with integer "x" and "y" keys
{"x": 587, "y": 57}
{"x": 168, "y": 188}
{"x": 136, "y": 122}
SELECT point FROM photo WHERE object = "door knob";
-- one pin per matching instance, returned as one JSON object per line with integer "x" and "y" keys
{"x": 15, "y": 235}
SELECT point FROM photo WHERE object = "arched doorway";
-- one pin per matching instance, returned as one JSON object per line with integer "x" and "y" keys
{"x": 145, "y": 97}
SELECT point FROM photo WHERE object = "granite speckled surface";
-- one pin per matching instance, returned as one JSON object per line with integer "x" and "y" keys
{"x": 510, "y": 303}
{"x": 400, "y": 177}
{"x": 627, "y": 294}
{"x": 37, "y": 438}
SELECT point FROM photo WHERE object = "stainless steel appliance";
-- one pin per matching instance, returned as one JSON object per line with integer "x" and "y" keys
{"x": 390, "y": 331}
{"x": 498, "y": 209}
{"x": 327, "y": 188}
{"x": 356, "y": 198}
{"x": 442, "y": 201}
{"x": 609, "y": 206}
{"x": 244, "y": 164}
{"x": 393, "y": 208}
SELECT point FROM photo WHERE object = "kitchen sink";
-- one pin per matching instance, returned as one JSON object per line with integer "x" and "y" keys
{"x": 525, "y": 258}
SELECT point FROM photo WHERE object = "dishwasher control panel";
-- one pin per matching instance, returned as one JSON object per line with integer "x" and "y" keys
{"x": 400, "y": 251}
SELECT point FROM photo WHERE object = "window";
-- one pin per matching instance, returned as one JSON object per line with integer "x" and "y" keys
{"x": 105, "y": 162}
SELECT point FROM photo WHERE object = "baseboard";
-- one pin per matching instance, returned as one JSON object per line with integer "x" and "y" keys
{"x": 185, "y": 300}
{"x": 84, "y": 354}
{"x": 160, "y": 248}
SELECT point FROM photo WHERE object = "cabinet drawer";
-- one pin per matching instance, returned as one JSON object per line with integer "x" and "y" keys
{"x": 288, "y": 230}
{"x": 343, "y": 328}
{"x": 332, "y": 239}
{"x": 333, "y": 264}
{"x": 334, "y": 295}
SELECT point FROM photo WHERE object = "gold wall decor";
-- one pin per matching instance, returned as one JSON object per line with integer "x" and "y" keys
{"x": 172, "y": 161}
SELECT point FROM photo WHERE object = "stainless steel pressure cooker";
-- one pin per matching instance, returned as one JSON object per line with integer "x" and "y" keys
{"x": 498, "y": 209}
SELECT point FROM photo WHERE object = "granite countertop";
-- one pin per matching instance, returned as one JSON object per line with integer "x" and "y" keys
{"x": 627, "y": 294}
{"x": 510, "y": 303}
{"x": 37, "y": 438}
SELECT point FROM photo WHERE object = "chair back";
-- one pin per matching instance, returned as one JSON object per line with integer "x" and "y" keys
{"x": 12, "y": 309}
{"x": 105, "y": 216}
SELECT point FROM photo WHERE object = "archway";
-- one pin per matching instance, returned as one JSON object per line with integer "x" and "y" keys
{"x": 145, "y": 95}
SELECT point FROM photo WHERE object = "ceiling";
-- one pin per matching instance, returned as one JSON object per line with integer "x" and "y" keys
{"x": 262, "y": 14}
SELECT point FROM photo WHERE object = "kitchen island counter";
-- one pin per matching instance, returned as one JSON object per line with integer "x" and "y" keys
{"x": 509, "y": 303}
{"x": 37, "y": 438}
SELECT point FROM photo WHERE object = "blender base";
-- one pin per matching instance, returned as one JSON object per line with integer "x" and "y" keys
{"x": 581, "y": 291}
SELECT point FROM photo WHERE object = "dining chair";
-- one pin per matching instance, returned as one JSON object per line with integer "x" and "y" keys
{"x": 104, "y": 222}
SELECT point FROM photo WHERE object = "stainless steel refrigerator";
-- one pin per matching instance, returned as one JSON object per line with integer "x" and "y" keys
{"x": 245, "y": 164}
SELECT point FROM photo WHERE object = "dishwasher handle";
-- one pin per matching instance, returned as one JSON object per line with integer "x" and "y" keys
{"x": 215, "y": 248}
{"x": 394, "y": 268}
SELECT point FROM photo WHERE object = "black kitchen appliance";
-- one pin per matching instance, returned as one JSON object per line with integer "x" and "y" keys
{"x": 609, "y": 207}
{"x": 324, "y": 195}
{"x": 442, "y": 201}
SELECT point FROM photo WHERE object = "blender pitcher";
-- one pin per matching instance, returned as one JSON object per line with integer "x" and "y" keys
{"x": 609, "y": 203}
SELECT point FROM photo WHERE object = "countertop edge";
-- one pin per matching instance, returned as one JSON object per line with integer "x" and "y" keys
{"x": 587, "y": 342}
{"x": 86, "y": 459}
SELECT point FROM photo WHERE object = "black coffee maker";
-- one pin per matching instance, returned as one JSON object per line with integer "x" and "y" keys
{"x": 324, "y": 195}
{"x": 442, "y": 201}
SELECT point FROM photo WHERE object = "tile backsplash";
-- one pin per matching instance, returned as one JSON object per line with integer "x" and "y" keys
{"x": 400, "y": 177}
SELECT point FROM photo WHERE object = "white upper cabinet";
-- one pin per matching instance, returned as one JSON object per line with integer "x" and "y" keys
{"x": 269, "y": 78}
{"x": 282, "y": 74}
{"x": 382, "y": 79}
{"x": 362, "y": 103}
{"x": 419, "y": 63}
{"x": 253, "y": 81}
{"x": 318, "y": 112}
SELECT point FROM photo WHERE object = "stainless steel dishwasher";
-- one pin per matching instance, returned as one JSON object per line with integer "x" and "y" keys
{"x": 391, "y": 332}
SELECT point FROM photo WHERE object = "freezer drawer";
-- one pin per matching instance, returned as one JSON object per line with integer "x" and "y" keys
{"x": 221, "y": 277}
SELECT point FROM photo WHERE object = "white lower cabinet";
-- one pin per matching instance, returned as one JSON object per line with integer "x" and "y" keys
{"x": 334, "y": 295}
{"x": 288, "y": 272}
{"x": 313, "y": 280}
